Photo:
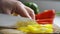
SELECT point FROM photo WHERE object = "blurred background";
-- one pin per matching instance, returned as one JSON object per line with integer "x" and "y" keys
{"x": 46, "y": 4}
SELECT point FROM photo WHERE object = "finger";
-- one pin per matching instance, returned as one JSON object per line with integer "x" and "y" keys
{"x": 31, "y": 12}
{"x": 6, "y": 11}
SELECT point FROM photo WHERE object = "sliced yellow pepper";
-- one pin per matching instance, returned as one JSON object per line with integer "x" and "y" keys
{"x": 47, "y": 28}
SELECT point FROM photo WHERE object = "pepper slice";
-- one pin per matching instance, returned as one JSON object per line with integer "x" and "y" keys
{"x": 45, "y": 21}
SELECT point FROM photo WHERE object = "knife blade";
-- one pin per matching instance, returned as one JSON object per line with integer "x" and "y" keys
{"x": 9, "y": 21}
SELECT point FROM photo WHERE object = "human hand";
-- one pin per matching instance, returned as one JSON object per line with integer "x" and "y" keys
{"x": 18, "y": 7}
{"x": 25, "y": 11}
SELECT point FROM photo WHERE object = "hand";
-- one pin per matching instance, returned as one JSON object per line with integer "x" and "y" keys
{"x": 19, "y": 8}
{"x": 25, "y": 11}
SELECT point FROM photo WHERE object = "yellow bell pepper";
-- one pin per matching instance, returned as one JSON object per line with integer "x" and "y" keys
{"x": 47, "y": 28}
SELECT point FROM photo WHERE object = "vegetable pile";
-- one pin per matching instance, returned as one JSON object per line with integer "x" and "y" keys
{"x": 47, "y": 28}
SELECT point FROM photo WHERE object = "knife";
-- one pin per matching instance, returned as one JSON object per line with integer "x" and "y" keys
{"x": 7, "y": 21}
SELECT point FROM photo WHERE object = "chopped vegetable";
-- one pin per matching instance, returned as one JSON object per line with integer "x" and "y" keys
{"x": 23, "y": 23}
{"x": 47, "y": 28}
{"x": 45, "y": 21}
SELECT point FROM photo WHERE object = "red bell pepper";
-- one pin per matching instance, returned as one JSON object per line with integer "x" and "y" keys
{"x": 45, "y": 17}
